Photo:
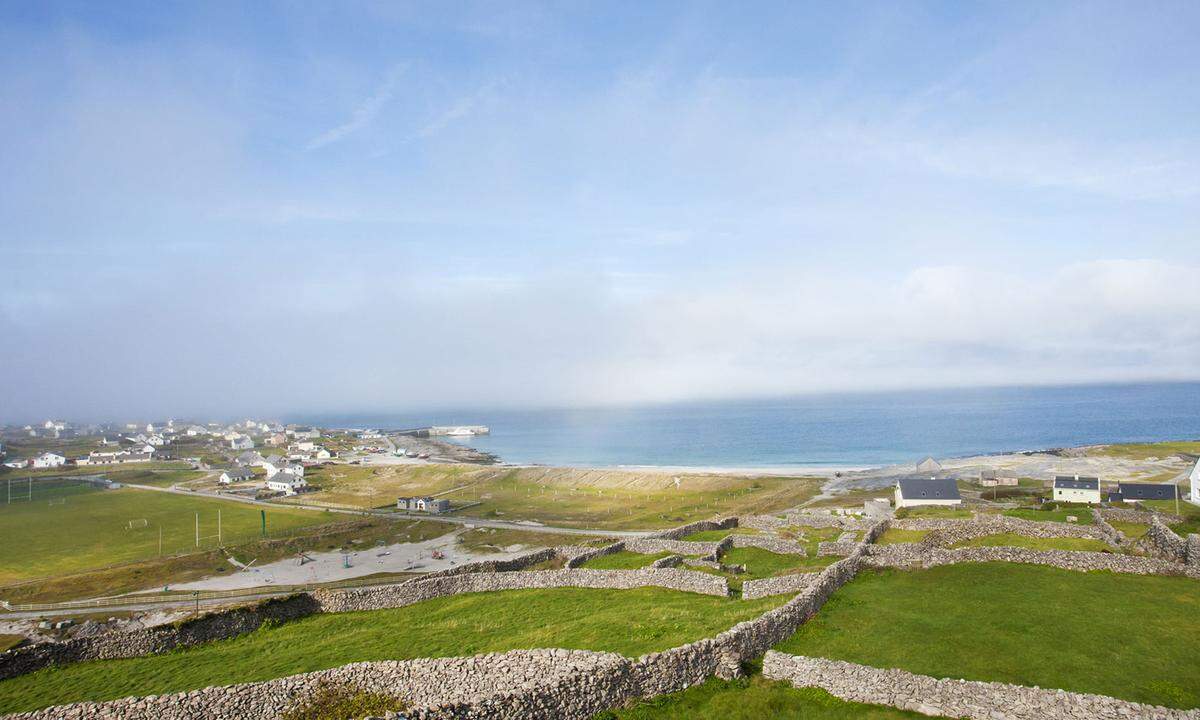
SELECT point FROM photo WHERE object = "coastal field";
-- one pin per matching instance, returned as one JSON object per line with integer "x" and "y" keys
{"x": 1021, "y": 624}
{"x": 630, "y": 622}
{"x": 82, "y": 527}
{"x": 569, "y": 497}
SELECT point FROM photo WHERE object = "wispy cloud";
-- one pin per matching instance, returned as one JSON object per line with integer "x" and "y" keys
{"x": 364, "y": 114}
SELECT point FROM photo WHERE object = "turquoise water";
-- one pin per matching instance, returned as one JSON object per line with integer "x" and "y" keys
{"x": 839, "y": 430}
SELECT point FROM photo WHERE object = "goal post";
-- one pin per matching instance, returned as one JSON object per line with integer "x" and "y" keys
{"x": 137, "y": 524}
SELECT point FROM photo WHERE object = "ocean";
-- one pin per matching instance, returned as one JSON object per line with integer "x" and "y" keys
{"x": 838, "y": 430}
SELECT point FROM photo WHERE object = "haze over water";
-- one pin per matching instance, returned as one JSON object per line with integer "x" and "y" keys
{"x": 839, "y": 430}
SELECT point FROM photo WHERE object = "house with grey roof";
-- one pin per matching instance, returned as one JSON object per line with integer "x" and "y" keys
{"x": 912, "y": 492}
{"x": 1135, "y": 492}
{"x": 434, "y": 506}
{"x": 1076, "y": 489}
{"x": 238, "y": 474}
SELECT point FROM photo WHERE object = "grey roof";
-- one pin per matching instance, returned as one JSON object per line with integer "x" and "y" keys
{"x": 1147, "y": 491}
{"x": 929, "y": 488}
{"x": 1075, "y": 482}
{"x": 241, "y": 472}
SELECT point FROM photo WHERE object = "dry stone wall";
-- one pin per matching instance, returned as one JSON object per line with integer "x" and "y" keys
{"x": 580, "y": 558}
{"x": 769, "y": 523}
{"x": 1162, "y": 542}
{"x": 518, "y": 684}
{"x": 1113, "y": 535}
{"x": 650, "y": 546}
{"x": 769, "y": 543}
{"x": 147, "y": 641}
{"x": 946, "y": 532}
{"x": 906, "y": 555}
{"x": 954, "y": 698}
{"x": 779, "y": 585}
{"x": 1138, "y": 516}
{"x": 699, "y": 526}
{"x": 393, "y": 596}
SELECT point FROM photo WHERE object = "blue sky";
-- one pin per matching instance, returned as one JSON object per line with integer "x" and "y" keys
{"x": 273, "y": 207}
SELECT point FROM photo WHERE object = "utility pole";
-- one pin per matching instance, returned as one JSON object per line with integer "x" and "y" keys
{"x": 160, "y": 540}
{"x": 197, "y": 529}
{"x": 218, "y": 527}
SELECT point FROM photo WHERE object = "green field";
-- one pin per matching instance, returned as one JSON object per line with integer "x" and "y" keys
{"x": 1131, "y": 530}
{"x": 894, "y": 536}
{"x": 753, "y": 698}
{"x": 89, "y": 529}
{"x": 934, "y": 511}
{"x": 567, "y": 497}
{"x": 1014, "y": 540}
{"x": 1022, "y": 624}
{"x": 1141, "y": 451}
{"x": 1189, "y": 512}
{"x": 623, "y": 560}
{"x": 630, "y": 622}
{"x": 1082, "y": 515}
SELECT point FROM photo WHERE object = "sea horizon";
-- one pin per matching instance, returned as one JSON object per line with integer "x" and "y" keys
{"x": 833, "y": 430}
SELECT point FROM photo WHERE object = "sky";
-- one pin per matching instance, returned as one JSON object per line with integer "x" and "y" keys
{"x": 224, "y": 208}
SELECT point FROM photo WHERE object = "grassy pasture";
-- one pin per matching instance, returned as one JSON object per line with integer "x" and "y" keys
{"x": 893, "y": 536}
{"x": 630, "y": 622}
{"x": 715, "y": 535}
{"x": 753, "y": 698}
{"x": 1143, "y": 451}
{"x": 1132, "y": 530}
{"x": 934, "y": 511}
{"x": 89, "y": 530}
{"x": 568, "y": 497}
{"x": 623, "y": 560}
{"x": 158, "y": 572}
{"x": 1082, "y": 514}
{"x": 1014, "y": 540}
{"x": 1022, "y": 624}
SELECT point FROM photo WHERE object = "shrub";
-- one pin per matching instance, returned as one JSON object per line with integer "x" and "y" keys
{"x": 338, "y": 702}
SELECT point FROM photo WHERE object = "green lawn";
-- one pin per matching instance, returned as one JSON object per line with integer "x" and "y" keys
{"x": 1132, "y": 530}
{"x": 763, "y": 563}
{"x": 714, "y": 535}
{"x": 893, "y": 536}
{"x": 631, "y": 622}
{"x": 1014, "y": 540}
{"x": 89, "y": 529}
{"x": 1083, "y": 515}
{"x": 935, "y": 511}
{"x": 1022, "y": 624}
{"x": 623, "y": 560}
{"x": 753, "y": 698}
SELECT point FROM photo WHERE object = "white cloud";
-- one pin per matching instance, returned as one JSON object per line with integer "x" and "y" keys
{"x": 364, "y": 114}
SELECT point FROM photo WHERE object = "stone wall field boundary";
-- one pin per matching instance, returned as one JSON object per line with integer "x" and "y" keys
{"x": 771, "y": 544}
{"x": 149, "y": 641}
{"x": 778, "y": 585}
{"x": 573, "y": 684}
{"x": 579, "y": 559}
{"x": 682, "y": 531}
{"x": 395, "y": 596}
{"x": 954, "y": 698}
{"x": 907, "y": 555}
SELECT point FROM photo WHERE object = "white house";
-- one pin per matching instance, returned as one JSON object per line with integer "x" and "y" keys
{"x": 286, "y": 483}
{"x": 16, "y": 464}
{"x": 156, "y": 440}
{"x": 305, "y": 446}
{"x": 242, "y": 442}
{"x": 1077, "y": 489}
{"x": 322, "y": 454}
{"x": 934, "y": 491}
{"x": 49, "y": 460}
{"x": 1195, "y": 480}
{"x": 241, "y": 474}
